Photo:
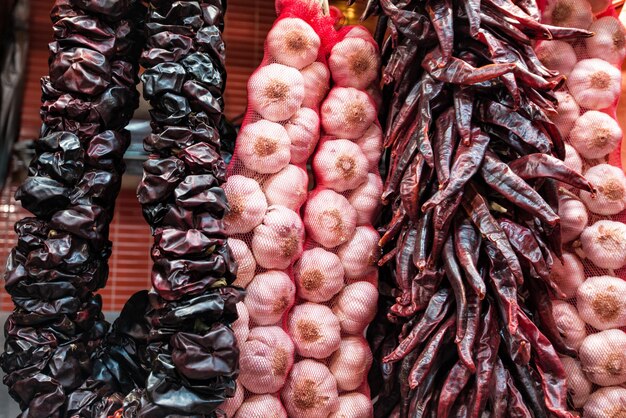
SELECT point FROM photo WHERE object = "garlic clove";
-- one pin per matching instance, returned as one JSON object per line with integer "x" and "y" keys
{"x": 246, "y": 264}
{"x": 354, "y": 405}
{"x": 310, "y": 391}
{"x": 263, "y": 147}
{"x": 268, "y": 297}
{"x": 371, "y": 144}
{"x": 347, "y": 112}
{"x": 606, "y": 403}
{"x": 276, "y": 91}
{"x": 557, "y": 55}
{"x": 247, "y": 205}
{"x": 574, "y": 218}
{"x": 578, "y": 386}
{"x": 355, "y": 307}
{"x": 260, "y": 406}
{"x": 566, "y": 112}
{"x": 609, "y": 41}
{"x": 570, "y": 326}
{"x": 366, "y": 199}
{"x": 603, "y": 357}
{"x": 568, "y": 13}
{"x": 610, "y": 184}
{"x": 318, "y": 275}
{"x": 351, "y": 363}
{"x": 354, "y": 62}
{"x": 241, "y": 327}
{"x": 287, "y": 188}
{"x": 595, "y": 135}
{"x": 304, "y": 131}
{"x": 316, "y": 84}
{"x": 314, "y": 329}
{"x": 601, "y": 303}
{"x": 293, "y": 42}
{"x": 340, "y": 165}
{"x": 604, "y": 244}
{"x": 329, "y": 218}
{"x": 231, "y": 405}
{"x": 594, "y": 83}
{"x": 278, "y": 241}
{"x": 360, "y": 254}
{"x": 567, "y": 275}
{"x": 572, "y": 159}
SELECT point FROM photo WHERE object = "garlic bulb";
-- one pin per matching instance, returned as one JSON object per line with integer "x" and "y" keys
{"x": 246, "y": 264}
{"x": 354, "y": 405}
{"x": 329, "y": 218}
{"x": 304, "y": 131}
{"x": 268, "y": 297}
{"x": 241, "y": 327}
{"x": 566, "y": 113}
{"x": 567, "y": 275}
{"x": 568, "y": 13}
{"x": 265, "y": 360}
{"x": 354, "y": 62}
{"x": 570, "y": 326}
{"x": 360, "y": 254}
{"x": 601, "y": 302}
{"x": 610, "y": 183}
{"x": 355, "y": 307}
{"x": 278, "y": 241}
{"x": 578, "y": 386}
{"x": 366, "y": 199}
{"x": 287, "y": 188}
{"x": 604, "y": 244}
{"x": 609, "y": 41}
{"x": 314, "y": 329}
{"x": 318, "y": 275}
{"x": 597, "y": 7}
{"x": 293, "y": 42}
{"x": 247, "y": 205}
{"x": 231, "y": 405}
{"x": 572, "y": 159}
{"x": 606, "y": 403}
{"x": 358, "y": 31}
{"x": 574, "y": 218}
{"x": 340, "y": 165}
{"x": 261, "y": 406}
{"x": 595, "y": 135}
{"x": 594, "y": 83}
{"x": 311, "y": 391}
{"x": 603, "y": 357}
{"x": 316, "y": 84}
{"x": 557, "y": 55}
{"x": 347, "y": 112}
{"x": 351, "y": 363}
{"x": 371, "y": 144}
{"x": 263, "y": 147}
{"x": 276, "y": 91}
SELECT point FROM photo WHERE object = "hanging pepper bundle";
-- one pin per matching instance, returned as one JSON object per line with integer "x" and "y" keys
{"x": 471, "y": 193}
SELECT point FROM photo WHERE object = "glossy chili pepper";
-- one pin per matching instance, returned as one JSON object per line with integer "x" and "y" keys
{"x": 429, "y": 355}
{"x": 486, "y": 355}
{"x": 445, "y": 137}
{"x": 455, "y": 278}
{"x": 535, "y": 166}
{"x": 467, "y": 244}
{"x": 456, "y": 380}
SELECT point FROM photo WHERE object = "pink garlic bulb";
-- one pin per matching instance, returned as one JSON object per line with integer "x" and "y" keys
{"x": 606, "y": 403}
{"x": 262, "y": 406}
{"x": 360, "y": 254}
{"x": 318, "y": 275}
{"x": 329, "y": 218}
{"x": 293, "y": 42}
{"x": 246, "y": 264}
{"x": 287, "y": 188}
{"x": 310, "y": 391}
{"x": 304, "y": 132}
{"x": 569, "y": 324}
{"x": 347, "y": 112}
{"x": 278, "y": 241}
{"x": 314, "y": 329}
{"x": 268, "y": 297}
{"x": 578, "y": 386}
{"x": 276, "y": 91}
{"x": 316, "y": 84}
{"x": 247, "y": 205}
{"x": 557, "y": 55}
{"x": 351, "y": 363}
{"x": 354, "y": 62}
{"x": 263, "y": 147}
{"x": 604, "y": 244}
{"x": 241, "y": 327}
{"x": 574, "y": 218}
{"x": 609, "y": 40}
{"x": 566, "y": 112}
{"x": 371, "y": 144}
{"x": 265, "y": 360}
{"x": 572, "y": 159}
{"x": 231, "y": 405}
{"x": 567, "y": 275}
{"x": 358, "y": 31}
{"x": 354, "y": 405}
{"x": 355, "y": 307}
{"x": 603, "y": 357}
{"x": 595, "y": 135}
{"x": 594, "y": 83}
{"x": 568, "y": 13}
{"x": 366, "y": 199}
{"x": 610, "y": 184}
{"x": 340, "y": 165}
{"x": 601, "y": 301}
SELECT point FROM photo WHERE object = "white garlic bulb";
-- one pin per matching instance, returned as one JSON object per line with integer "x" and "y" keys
{"x": 568, "y": 13}
{"x": 572, "y": 159}
{"x": 609, "y": 41}
{"x": 595, "y": 135}
{"x": 567, "y": 112}
{"x": 604, "y": 244}
{"x": 263, "y": 147}
{"x": 594, "y": 83}
{"x": 557, "y": 55}
{"x": 315, "y": 330}
{"x": 354, "y": 405}
{"x": 601, "y": 302}
{"x": 293, "y": 42}
{"x": 316, "y": 84}
{"x": 567, "y": 275}
{"x": 259, "y": 406}
{"x": 329, "y": 218}
{"x": 246, "y": 264}
{"x": 304, "y": 131}
{"x": 276, "y": 91}
{"x": 371, "y": 144}
{"x": 366, "y": 199}
{"x": 247, "y": 205}
{"x": 355, "y": 307}
{"x": 319, "y": 275}
{"x": 278, "y": 241}
{"x": 610, "y": 184}
{"x": 354, "y": 62}
{"x": 241, "y": 327}
{"x": 231, "y": 405}
{"x": 570, "y": 326}
{"x": 310, "y": 391}
{"x": 578, "y": 386}
{"x": 606, "y": 403}
{"x": 360, "y": 254}
{"x": 268, "y": 297}
{"x": 288, "y": 187}
{"x": 340, "y": 165}
{"x": 574, "y": 218}
{"x": 351, "y": 362}
{"x": 603, "y": 357}
{"x": 347, "y": 112}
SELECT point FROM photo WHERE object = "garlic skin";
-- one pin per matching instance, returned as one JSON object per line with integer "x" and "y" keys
{"x": 366, "y": 199}
{"x": 557, "y": 55}
{"x": 347, "y": 112}
{"x": 595, "y": 135}
{"x": 603, "y": 357}
{"x": 318, "y": 275}
{"x": 351, "y": 363}
{"x": 360, "y": 254}
{"x": 568, "y": 13}
{"x": 304, "y": 131}
{"x": 260, "y": 406}
{"x": 610, "y": 183}
{"x": 604, "y": 244}
{"x": 278, "y": 241}
{"x": 568, "y": 275}
{"x": 358, "y": 31}
{"x": 598, "y": 6}
{"x": 594, "y": 83}
{"x": 354, "y": 405}
{"x": 578, "y": 386}
{"x": 269, "y": 296}
{"x": 263, "y": 147}
{"x": 340, "y": 165}
{"x": 287, "y": 188}
{"x": 354, "y": 62}
{"x": 601, "y": 302}
{"x": 609, "y": 41}
{"x": 246, "y": 264}
{"x": 293, "y": 42}
{"x": 570, "y": 326}
{"x": 355, "y": 307}
{"x": 276, "y": 91}
{"x": 566, "y": 112}
{"x": 371, "y": 144}
{"x": 316, "y": 84}
{"x": 265, "y": 360}
{"x": 231, "y": 405}
{"x": 606, "y": 403}
{"x": 572, "y": 159}
{"x": 574, "y": 218}
{"x": 241, "y": 327}
{"x": 310, "y": 391}
{"x": 247, "y": 205}
{"x": 329, "y": 218}
{"x": 315, "y": 330}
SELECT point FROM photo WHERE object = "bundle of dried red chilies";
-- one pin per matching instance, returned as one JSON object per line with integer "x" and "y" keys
{"x": 471, "y": 188}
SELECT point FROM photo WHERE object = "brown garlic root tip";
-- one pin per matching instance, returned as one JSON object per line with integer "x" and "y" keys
{"x": 279, "y": 362}
{"x": 305, "y": 394}
{"x": 347, "y": 166}
{"x": 600, "y": 80}
{"x": 312, "y": 279}
{"x": 309, "y": 330}
{"x": 276, "y": 91}
{"x": 606, "y": 306}
{"x": 264, "y": 146}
